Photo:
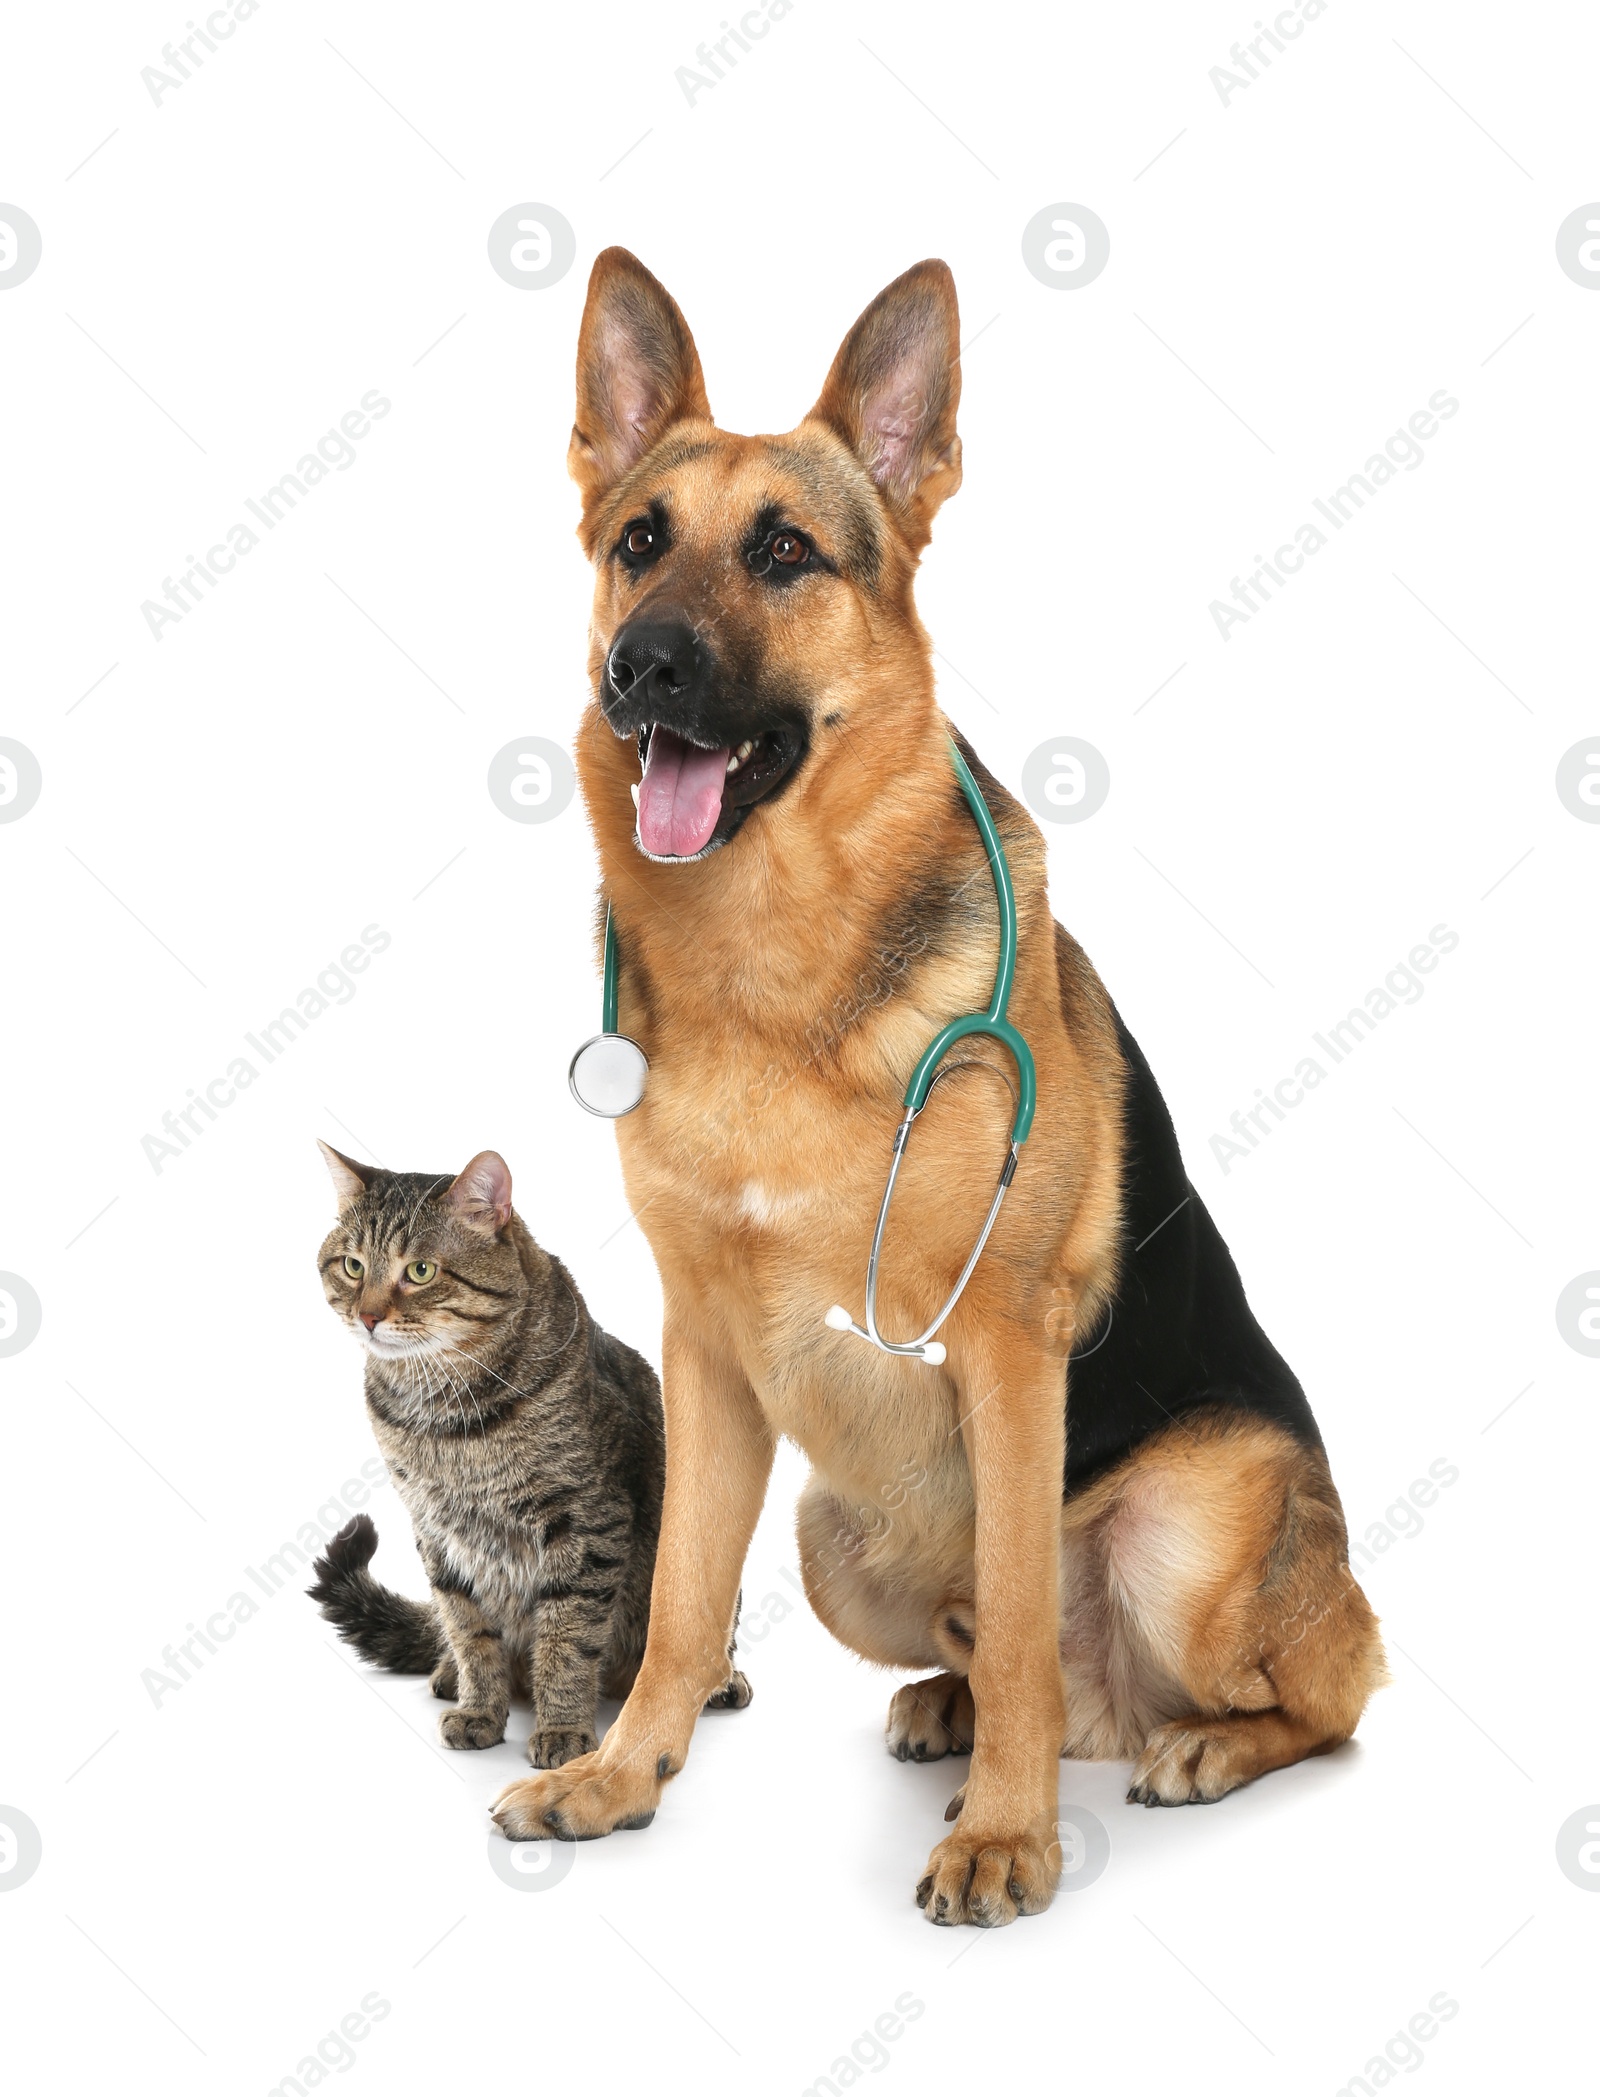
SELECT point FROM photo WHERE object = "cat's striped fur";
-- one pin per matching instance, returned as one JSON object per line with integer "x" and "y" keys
{"x": 526, "y": 1443}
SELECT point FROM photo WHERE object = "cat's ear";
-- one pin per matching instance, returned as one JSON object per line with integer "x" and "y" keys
{"x": 638, "y": 373}
{"x": 350, "y": 1180}
{"x": 481, "y": 1195}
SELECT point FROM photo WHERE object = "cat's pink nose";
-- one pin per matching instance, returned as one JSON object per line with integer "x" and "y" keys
{"x": 369, "y": 1319}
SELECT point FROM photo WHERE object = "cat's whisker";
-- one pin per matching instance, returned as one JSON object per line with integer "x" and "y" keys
{"x": 455, "y": 1348}
{"x": 488, "y": 1371}
{"x": 462, "y": 1391}
{"x": 466, "y": 1385}
{"x": 424, "y": 1385}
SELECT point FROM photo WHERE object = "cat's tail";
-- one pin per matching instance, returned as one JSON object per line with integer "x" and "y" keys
{"x": 389, "y": 1629}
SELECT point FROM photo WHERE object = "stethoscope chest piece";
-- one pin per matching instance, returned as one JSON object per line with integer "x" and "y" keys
{"x": 607, "y": 1075}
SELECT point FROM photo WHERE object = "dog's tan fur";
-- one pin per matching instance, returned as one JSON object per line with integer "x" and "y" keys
{"x": 1191, "y": 1610}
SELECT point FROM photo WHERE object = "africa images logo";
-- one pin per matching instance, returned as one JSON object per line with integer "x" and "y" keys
{"x": 334, "y": 986}
{"x": 1402, "y": 452}
{"x": 1402, "y": 985}
{"x": 335, "y": 452}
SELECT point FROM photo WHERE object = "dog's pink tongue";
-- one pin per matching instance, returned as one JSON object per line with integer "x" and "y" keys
{"x": 680, "y": 795}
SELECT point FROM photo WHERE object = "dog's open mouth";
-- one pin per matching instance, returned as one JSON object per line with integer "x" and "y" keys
{"x": 692, "y": 799}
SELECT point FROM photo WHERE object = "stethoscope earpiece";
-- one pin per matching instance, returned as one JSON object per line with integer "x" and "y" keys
{"x": 929, "y": 1351}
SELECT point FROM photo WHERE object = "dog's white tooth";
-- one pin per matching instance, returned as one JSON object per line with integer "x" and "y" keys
{"x": 732, "y": 765}
{"x": 634, "y": 790}
{"x": 743, "y": 751}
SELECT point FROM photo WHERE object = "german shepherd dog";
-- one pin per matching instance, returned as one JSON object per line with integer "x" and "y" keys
{"x": 1113, "y": 1532}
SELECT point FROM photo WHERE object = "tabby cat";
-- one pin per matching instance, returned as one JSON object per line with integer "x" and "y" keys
{"x": 527, "y": 1445}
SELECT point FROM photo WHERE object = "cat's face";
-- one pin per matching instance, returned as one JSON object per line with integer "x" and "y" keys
{"x": 420, "y": 1264}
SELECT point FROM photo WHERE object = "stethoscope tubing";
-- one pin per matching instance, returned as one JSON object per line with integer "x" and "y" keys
{"x": 997, "y": 1027}
{"x": 919, "y": 1346}
{"x": 992, "y": 1023}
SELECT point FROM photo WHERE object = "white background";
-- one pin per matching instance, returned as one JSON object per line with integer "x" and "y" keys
{"x": 305, "y": 754}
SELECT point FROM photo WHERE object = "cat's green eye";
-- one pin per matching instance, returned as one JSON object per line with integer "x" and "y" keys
{"x": 421, "y": 1271}
{"x": 353, "y": 1267}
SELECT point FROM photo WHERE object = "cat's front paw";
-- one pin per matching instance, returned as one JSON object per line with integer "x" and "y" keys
{"x": 549, "y": 1747}
{"x": 443, "y": 1681}
{"x": 472, "y": 1729}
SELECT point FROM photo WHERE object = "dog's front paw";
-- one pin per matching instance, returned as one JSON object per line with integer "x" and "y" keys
{"x": 549, "y": 1747}
{"x": 990, "y": 1876}
{"x": 581, "y": 1800}
{"x": 472, "y": 1729}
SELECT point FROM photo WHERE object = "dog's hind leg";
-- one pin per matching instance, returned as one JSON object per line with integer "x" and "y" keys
{"x": 931, "y": 1718}
{"x": 1242, "y": 1641}
{"x": 1195, "y": 1760}
{"x": 736, "y": 1692}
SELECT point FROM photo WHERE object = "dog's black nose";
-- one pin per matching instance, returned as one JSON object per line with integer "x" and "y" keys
{"x": 657, "y": 663}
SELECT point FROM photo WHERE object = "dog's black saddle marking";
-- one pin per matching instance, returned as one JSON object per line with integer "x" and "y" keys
{"x": 1180, "y": 1333}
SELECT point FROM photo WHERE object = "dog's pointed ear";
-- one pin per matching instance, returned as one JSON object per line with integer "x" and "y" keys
{"x": 893, "y": 392}
{"x": 638, "y": 373}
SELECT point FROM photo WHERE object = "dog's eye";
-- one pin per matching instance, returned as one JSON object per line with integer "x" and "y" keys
{"x": 784, "y": 548}
{"x": 639, "y": 540}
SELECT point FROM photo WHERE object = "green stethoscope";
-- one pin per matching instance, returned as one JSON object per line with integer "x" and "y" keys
{"x": 608, "y": 1074}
